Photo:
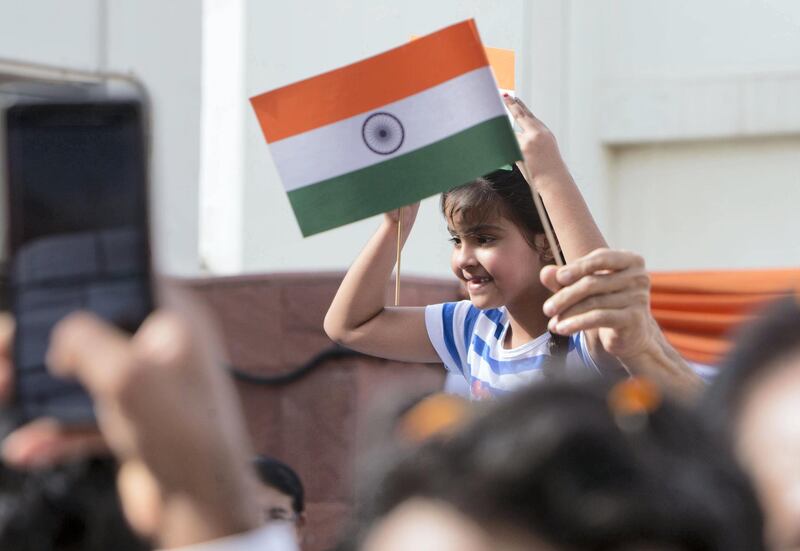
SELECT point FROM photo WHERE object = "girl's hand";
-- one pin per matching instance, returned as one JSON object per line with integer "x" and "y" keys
{"x": 536, "y": 141}
{"x": 607, "y": 291}
{"x": 409, "y": 215}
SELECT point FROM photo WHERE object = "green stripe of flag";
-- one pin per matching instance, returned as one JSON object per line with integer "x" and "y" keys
{"x": 405, "y": 179}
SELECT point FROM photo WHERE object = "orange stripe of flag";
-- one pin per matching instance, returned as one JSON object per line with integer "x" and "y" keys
{"x": 367, "y": 84}
{"x": 501, "y": 60}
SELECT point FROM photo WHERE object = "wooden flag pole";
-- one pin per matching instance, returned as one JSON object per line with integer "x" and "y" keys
{"x": 399, "y": 247}
{"x": 548, "y": 228}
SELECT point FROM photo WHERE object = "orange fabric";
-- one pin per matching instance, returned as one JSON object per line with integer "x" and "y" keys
{"x": 433, "y": 415}
{"x": 371, "y": 83}
{"x": 502, "y": 63}
{"x": 698, "y": 311}
{"x": 729, "y": 281}
{"x": 634, "y": 396}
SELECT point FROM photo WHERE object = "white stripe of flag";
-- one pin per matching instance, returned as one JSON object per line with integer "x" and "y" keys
{"x": 427, "y": 117}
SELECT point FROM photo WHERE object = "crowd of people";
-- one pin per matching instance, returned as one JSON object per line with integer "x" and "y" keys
{"x": 587, "y": 430}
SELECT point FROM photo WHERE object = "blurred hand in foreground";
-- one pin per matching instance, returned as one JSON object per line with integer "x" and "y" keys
{"x": 168, "y": 413}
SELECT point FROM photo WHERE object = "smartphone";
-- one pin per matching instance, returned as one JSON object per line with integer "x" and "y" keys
{"x": 77, "y": 235}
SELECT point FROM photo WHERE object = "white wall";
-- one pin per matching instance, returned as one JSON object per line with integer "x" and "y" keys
{"x": 699, "y": 126}
{"x": 650, "y": 100}
{"x": 638, "y": 91}
{"x": 52, "y": 32}
{"x": 161, "y": 43}
{"x": 715, "y": 204}
{"x": 158, "y": 42}
{"x": 665, "y": 101}
{"x": 301, "y": 39}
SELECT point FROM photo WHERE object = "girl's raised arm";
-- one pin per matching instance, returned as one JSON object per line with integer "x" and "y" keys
{"x": 358, "y": 317}
{"x": 573, "y": 224}
{"x": 613, "y": 312}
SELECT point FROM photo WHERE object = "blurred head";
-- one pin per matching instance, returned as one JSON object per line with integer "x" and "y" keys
{"x": 756, "y": 400}
{"x": 555, "y": 468}
{"x": 72, "y": 507}
{"x": 281, "y": 494}
{"x": 434, "y": 525}
{"x": 498, "y": 239}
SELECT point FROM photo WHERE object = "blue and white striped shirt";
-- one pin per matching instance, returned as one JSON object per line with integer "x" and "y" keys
{"x": 470, "y": 342}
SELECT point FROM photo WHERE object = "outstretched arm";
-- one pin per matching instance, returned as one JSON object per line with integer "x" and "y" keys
{"x": 608, "y": 292}
{"x": 573, "y": 224}
{"x": 358, "y": 317}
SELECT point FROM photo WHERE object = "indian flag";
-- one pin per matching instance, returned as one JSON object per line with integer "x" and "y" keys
{"x": 501, "y": 61}
{"x": 387, "y": 131}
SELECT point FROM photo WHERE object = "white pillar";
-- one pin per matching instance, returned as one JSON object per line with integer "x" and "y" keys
{"x": 221, "y": 227}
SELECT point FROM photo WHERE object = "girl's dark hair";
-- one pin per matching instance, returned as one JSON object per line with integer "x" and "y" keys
{"x": 70, "y": 507}
{"x": 505, "y": 193}
{"x": 554, "y": 461}
{"x": 502, "y": 193}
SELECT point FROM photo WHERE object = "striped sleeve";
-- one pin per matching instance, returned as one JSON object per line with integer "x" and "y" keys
{"x": 446, "y": 325}
{"x": 706, "y": 372}
{"x": 582, "y": 349}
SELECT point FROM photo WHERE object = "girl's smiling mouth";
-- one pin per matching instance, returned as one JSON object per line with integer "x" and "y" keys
{"x": 476, "y": 283}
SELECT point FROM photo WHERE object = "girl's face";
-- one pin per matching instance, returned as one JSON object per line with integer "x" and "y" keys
{"x": 496, "y": 263}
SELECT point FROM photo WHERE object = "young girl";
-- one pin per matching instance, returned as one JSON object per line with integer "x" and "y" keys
{"x": 499, "y": 338}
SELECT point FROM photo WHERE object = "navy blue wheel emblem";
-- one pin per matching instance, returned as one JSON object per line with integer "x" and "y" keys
{"x": 383, "y": 133}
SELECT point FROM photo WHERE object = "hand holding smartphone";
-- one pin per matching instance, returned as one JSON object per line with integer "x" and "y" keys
{"x": 78, "y": 235}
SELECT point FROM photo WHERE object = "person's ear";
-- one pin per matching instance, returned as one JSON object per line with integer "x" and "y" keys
{"x": 300, "y": 525}
{"x": 542, "y": 247}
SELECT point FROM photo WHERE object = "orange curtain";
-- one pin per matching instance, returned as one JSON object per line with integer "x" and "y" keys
{"x": 698, "y": 310}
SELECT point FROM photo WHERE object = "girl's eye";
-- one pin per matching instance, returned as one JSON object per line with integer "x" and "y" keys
{"x": 455, "y": 241}
{"x": 485, "y": 239}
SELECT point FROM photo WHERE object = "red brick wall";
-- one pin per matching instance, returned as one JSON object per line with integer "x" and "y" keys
{"x": 272, "y": 324}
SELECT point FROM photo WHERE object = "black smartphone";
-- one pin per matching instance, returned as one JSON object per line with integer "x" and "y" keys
{"x": 77, "y": 235}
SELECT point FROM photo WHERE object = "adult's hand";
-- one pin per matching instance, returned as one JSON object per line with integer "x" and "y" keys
{"x": 170, "y": 415}
{"x": 607, "y": 291}
{"x": 606, "y": 294}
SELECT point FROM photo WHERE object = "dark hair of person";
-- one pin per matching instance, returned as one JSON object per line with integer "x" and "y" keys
{"x": 282, "y": 477}
{"x": 503, "y": 193}
{"x": 758, "y": 350}
{"x": 72, "y": 507}
{"x": 554, "y": 462}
